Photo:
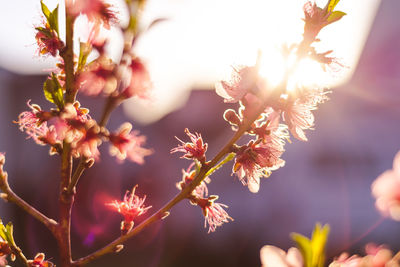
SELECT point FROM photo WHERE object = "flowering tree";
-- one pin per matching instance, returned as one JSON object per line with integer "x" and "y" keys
{"x": 268, "y": 115}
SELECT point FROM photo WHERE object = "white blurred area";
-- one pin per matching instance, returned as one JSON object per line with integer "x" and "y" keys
{"x": 199, "y": 42}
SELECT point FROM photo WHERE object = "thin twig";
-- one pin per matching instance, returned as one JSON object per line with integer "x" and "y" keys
{"x": 18, "y": 252}
{"x": 9, "y": 195}
{"x": 83, "y": 164}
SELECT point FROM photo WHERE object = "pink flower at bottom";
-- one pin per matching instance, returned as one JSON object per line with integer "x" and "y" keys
{"x": 3, "y": 261}
{"x": 272, "y": 256}
{"x": 386, "y": 190}
{"x": 377, "y": 256}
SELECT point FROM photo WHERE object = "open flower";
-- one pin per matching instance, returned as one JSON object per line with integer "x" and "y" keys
{"x": 131, "y": 207}
{"x": 87, "y": 141}
{"x": 214, "y": 213}
{"x": 97, "y": 77}
{"x": 297, "y": 113}
{"x": 386, "y": 190}
{"x": 243, "y": 81}
{"x": 47, "y": 40}
{"x": 140, "y": 82}
{"x": 256, "y": 160}
{"x": 196, "y": 149}
{"x": 97, "y": 11}
{"x": 272, "y": 256}
{"x": 128, "y": 144}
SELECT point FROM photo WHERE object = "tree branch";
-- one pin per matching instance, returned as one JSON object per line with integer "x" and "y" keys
{"x": 113, "y": 246}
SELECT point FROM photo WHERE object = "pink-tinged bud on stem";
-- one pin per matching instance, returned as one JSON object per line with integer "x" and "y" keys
{"x": 232, "y": 117}
{"x": 39, "y": 261}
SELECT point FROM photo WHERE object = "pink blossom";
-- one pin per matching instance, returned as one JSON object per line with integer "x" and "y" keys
{"x": 48, "y": 41}
{"x": 128, "y": 144}
{"x": 39, "y": 261}
{"x": 86, "y": 143}
{"x": 329, "y": 63}
{"x": 3, "y": 261}
{"x": 297, "y": 111}
{"x": 4, "y": 248}
{"x": 345, "y": 260}
{"x": 386, "y": 190}
{"x": 377, "y": 256}
{"x": 201, "y": 191}
{"x": 140, "y": 82}
{"x": 196, "y": 149}
{"x": 131, "y": 207}
{"x": 214, "y": 213}
{"x": 256, "y": 160}
{"x": 96, "y": 11}
{"x": 34, "y": 122}
{"x": 97, "y": 77}
{"x": 272, "y": 256}
{"x": 243, "y": 81}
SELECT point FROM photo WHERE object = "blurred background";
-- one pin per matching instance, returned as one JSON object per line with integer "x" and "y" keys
{"x": 326, "y": 179}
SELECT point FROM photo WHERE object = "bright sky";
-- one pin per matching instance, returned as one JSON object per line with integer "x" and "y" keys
{"x": 200, "y": 42}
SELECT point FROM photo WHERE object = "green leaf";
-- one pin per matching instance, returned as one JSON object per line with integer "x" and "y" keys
{"x": 3, "y": 231}
{"x": 45, "y": 10}
{"x": 331, "y": 5}
{"x": 219, "y": 165}
{"x": 318, "y": 243}
{"x": 10, "y": 237}
{"x": 313, "y": 251}
{"x": 84, "y": 51}
{"x": 53, "y": 91}
{"x": 6, "y": 233}
{"x": 304, "y": 245}
{"x": 53, "y": 20}
{"x": 335, "y": 16}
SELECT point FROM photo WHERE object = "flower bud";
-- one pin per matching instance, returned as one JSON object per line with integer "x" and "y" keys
{"x": 232, "y": 117}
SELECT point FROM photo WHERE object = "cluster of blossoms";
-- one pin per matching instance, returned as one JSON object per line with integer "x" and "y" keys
{"x": 214, "y": 213}
{"x": 70, "y": 123}
{"x": 276, "y": 111}
{"x": 74, "y": 125}
{"x": 267, "y": 114}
